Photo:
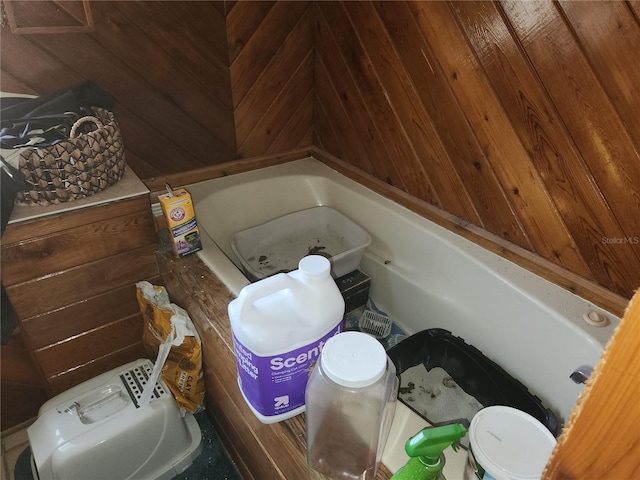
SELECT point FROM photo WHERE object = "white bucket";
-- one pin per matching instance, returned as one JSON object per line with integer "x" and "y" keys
{"x": 507, "y": 444}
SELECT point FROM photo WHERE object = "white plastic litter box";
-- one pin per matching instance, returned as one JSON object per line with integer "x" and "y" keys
{"x": 278, "y": 245}
{"x": 97, "y": 431}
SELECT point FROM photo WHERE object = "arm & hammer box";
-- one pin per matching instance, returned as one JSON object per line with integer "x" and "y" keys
{"x": 177, "y": 207}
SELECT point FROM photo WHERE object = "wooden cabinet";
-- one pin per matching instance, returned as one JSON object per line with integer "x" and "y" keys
{"x": 71, "y": 280}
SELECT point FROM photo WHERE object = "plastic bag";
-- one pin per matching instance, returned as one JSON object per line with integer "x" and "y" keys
{"x": 170, "y": 335}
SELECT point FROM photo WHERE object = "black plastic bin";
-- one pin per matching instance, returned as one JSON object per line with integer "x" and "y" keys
{"x": 476, "y": 374}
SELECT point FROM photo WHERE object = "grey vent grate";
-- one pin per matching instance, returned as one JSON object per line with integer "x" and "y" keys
{"x": 135, "y": 380}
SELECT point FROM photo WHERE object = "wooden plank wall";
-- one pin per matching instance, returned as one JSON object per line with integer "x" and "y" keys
{"x": 271, "y": 55}
{"x": 518, "y": 117}
{"x": 22, "y": 390}
{"x": 165, "y": 62}
{"x": 603, "y": 410}
{"x": 71, "y": 279}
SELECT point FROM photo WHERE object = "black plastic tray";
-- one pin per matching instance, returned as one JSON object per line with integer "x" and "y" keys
{"x": 476, "y": 374}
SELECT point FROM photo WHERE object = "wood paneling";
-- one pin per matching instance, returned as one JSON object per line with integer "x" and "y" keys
{"x": 21, "y": 383}
{"x": 84, "y": 348}
{"x": 606, "y": 409}
{"x": 171, "y": 83}
{"x": 86, "y": 315}
{"x": 274, "y": 452}
{"x": 39, "y": 256}
{"x": 516, "y": 117}
{"x": 95, "y": 367}
{"x": 271, "y": 68}
{"x": 519, "y": 118}
{"x": 57, "y": 289}
{"x": 71, "y": 280}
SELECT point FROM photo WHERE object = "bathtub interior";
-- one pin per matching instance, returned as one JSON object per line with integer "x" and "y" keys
{"x": 423, "y": 275}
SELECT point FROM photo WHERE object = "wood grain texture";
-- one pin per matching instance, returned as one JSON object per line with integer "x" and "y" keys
{"x": 601, "y": 439}
{"x": 51, "y": 224}
{"x": 271, "y": 71}
{"x": 427, "y": 157}
{"x": 81, "y": 373}
{"x": 596, "y": 207}
{"x": 494, "y": 212}
{"x": 343, "y": 98}
{"x": 39, "y": 256}
{"x": 171, "y": 83}
{"x": 57, "y": 289}
{"x": 519, "y": 118}
{"x": 81, "y": 349}
{"x": 22, "y": 386}
{"x": 516, "y": 117}
{"x": 87, "y": 315}
{"x": 158, "y": 185}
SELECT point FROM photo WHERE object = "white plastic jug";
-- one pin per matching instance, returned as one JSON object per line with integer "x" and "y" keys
{"x": 280, "y": 325}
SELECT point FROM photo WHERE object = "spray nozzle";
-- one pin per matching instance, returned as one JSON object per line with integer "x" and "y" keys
{"x": 429, "y": 443}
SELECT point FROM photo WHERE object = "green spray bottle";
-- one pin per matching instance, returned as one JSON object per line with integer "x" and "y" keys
{"x": 425, "y": 450}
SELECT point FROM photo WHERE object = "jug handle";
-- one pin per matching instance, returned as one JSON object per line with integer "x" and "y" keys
{"x": 267, "y": 286}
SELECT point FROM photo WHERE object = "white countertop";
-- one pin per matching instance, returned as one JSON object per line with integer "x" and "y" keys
{"x": 128, "y": 186}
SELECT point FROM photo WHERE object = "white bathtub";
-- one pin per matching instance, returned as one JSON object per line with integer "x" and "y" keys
{"x": 422, "y": 275}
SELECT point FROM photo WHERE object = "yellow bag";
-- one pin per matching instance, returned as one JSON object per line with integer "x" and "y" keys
{"x": 170, "y": 335}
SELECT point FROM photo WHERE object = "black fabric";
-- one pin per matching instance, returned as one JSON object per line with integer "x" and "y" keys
{"x": 47, "y": 119}
{"x": 12, "y": 182}
{"x": 9, "y": 320}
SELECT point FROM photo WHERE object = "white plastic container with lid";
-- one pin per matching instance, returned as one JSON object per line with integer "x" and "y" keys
{"x": 507, "y": 444}
{"x": 280, "y": 325}
{"x": 351, "y": 398}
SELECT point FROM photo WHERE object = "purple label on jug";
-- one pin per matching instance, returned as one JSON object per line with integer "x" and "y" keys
{"x": 275, "y": 384}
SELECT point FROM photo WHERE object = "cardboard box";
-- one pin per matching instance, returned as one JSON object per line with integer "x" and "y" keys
{"x": 177, "y": 207}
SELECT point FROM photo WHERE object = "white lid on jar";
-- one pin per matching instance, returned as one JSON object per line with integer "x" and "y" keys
{"x": 509, "y": 443}
{"x": 354, "y": 359}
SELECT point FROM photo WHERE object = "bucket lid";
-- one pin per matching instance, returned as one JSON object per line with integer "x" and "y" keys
{"x": 353, "y": 359}
{"x": 509, "y": 443}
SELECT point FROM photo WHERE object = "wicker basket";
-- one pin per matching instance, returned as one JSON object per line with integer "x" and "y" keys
{"x": 85, "y": 164}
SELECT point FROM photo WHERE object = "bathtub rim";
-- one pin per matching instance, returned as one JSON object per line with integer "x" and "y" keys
{"x": 328, "y": 187}
{"x": 560, "y": 303}
{"x": 574, "y": 283}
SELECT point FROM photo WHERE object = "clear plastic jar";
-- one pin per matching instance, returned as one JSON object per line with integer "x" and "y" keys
{"x": 350, "y": 401}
